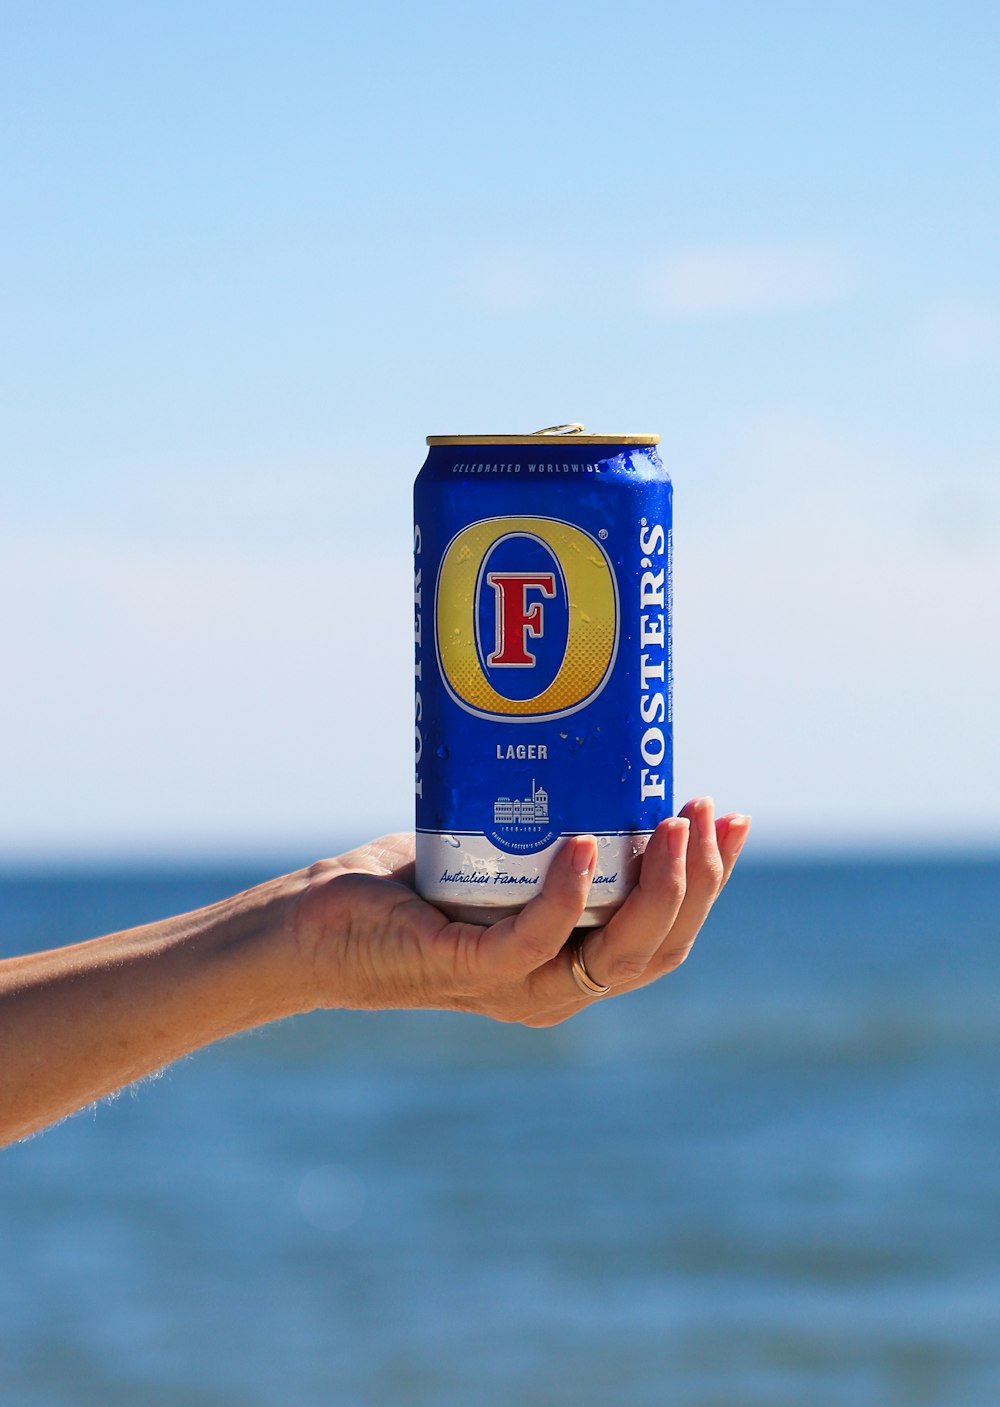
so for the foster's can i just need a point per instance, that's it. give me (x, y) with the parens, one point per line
(542, 607)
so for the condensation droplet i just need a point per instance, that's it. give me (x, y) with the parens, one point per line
(443, 753)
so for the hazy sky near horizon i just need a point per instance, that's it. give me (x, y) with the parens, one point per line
(252, 254)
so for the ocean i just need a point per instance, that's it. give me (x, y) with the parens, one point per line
(772, 1180)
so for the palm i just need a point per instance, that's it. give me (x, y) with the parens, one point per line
(401, 950)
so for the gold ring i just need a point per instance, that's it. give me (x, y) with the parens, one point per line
(582, 977)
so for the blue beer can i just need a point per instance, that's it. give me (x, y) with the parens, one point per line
(542, 610)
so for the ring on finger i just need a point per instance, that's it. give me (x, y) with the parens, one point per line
(582, 977)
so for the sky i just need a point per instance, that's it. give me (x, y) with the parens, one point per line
(252, 254)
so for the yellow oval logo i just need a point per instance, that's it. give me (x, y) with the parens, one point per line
(526, 613)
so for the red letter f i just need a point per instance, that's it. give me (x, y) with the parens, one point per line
(515, 620)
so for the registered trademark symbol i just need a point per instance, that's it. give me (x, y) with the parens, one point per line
(602, 534)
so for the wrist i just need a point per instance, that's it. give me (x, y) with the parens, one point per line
(314, 921)
(254, 939)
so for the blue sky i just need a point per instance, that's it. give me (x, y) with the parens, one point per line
(252, 254)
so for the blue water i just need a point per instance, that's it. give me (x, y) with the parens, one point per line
(773, 1179)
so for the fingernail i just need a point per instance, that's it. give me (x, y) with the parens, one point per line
(740, 824)
(703, 817)
(584, 855)
(677, 837)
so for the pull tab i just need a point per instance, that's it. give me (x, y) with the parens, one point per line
(573, 428)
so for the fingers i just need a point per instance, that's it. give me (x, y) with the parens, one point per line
(686, 864)
(688, 860)
(709, 864)
(623, 950)
(731, 831)
(535, 935)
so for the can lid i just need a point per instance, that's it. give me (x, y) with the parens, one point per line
(572, 431)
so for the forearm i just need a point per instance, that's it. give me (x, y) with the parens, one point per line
(79, 1022)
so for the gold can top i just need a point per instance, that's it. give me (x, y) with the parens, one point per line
(573, 432)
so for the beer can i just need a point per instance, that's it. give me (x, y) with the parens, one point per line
(543, 708)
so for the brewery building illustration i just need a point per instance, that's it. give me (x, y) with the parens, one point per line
(533, 810)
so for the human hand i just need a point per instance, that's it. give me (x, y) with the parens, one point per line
(371, 942)
(81, 1020)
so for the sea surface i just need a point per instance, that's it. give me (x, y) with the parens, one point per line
(772, 1180)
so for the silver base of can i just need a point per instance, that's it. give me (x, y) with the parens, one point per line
(466, 875)
(466, 913)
